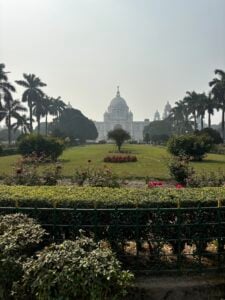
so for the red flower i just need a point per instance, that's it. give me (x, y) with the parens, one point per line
(153, 184)
(179, 186)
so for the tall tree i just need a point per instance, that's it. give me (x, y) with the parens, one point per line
(32, 94)
(210, 106)
(11, 109)
(179, 115)
(201, 108)
(6, 88)
(191, 100)
(58, 107)
(218, 90)
(21, 123)
(48, 109)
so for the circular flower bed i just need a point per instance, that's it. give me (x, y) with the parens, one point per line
(120, 158)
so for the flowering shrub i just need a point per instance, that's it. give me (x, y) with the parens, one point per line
(120, 158)
(154, 184)
(179, 186)
(30, 174)
(206, 179)
(96, 177)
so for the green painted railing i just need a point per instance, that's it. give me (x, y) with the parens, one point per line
(157, 240)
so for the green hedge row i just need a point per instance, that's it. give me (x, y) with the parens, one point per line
(84, 197)
(174, 226)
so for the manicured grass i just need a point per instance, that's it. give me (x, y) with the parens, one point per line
(151, 161)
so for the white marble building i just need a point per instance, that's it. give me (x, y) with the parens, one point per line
(119, 115)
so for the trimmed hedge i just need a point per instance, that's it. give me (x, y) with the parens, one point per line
(89, 197)
(119, 226)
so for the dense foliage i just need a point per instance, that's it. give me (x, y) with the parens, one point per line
(70, 196)
(96, 177)
(42, 146)
(73, 124)
(158, 132)
(191, 145)
(119, 135)
(19, 236)
(29, 171)
(211, 133)
(180, 169)
(79, 269)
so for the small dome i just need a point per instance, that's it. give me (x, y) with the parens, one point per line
(118, 102)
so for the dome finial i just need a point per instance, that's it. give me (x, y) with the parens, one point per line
(118, 91)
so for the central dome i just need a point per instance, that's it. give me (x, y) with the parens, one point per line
(118, 103)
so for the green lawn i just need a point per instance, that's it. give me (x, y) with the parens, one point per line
(151, 161)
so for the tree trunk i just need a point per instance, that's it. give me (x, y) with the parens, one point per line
(209, 120)
(195, 121)
(222, 125)
(39, 124)
(202, 125)
(9, 134)
(46, 124)
(31, 118)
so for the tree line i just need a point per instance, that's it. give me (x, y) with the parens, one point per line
(38, 104)
(185, 113)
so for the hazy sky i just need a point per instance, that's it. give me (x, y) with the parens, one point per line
(156, 50)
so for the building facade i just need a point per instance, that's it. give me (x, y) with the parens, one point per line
(118, 115)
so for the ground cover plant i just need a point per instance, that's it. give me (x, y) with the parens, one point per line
(19, 237)
(152, 161)
(80, 269)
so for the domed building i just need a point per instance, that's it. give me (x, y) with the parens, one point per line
(119, 115)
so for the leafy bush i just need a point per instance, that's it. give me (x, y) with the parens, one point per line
(191, 145)
(96, 177)
(49, 147)
(120, 158)
(179, 169)
(5, 151)
(19, 236)
(79, 269)
(30, 174)
(218, 149)
(210, 179)
(211, 133)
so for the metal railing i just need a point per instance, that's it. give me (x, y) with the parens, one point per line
(145, 239)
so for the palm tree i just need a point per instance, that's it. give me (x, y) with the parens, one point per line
(39, 112)
(33, 93)
(58, 107)
(11, 109)
(180, 117)
(210, 105)
(201, 107)
(5, 87)
(48, 105)
(22, 123)
(218, 90)
(191, 100)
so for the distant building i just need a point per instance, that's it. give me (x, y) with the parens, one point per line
(157, 116)
(118, 115)
(167, 110)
